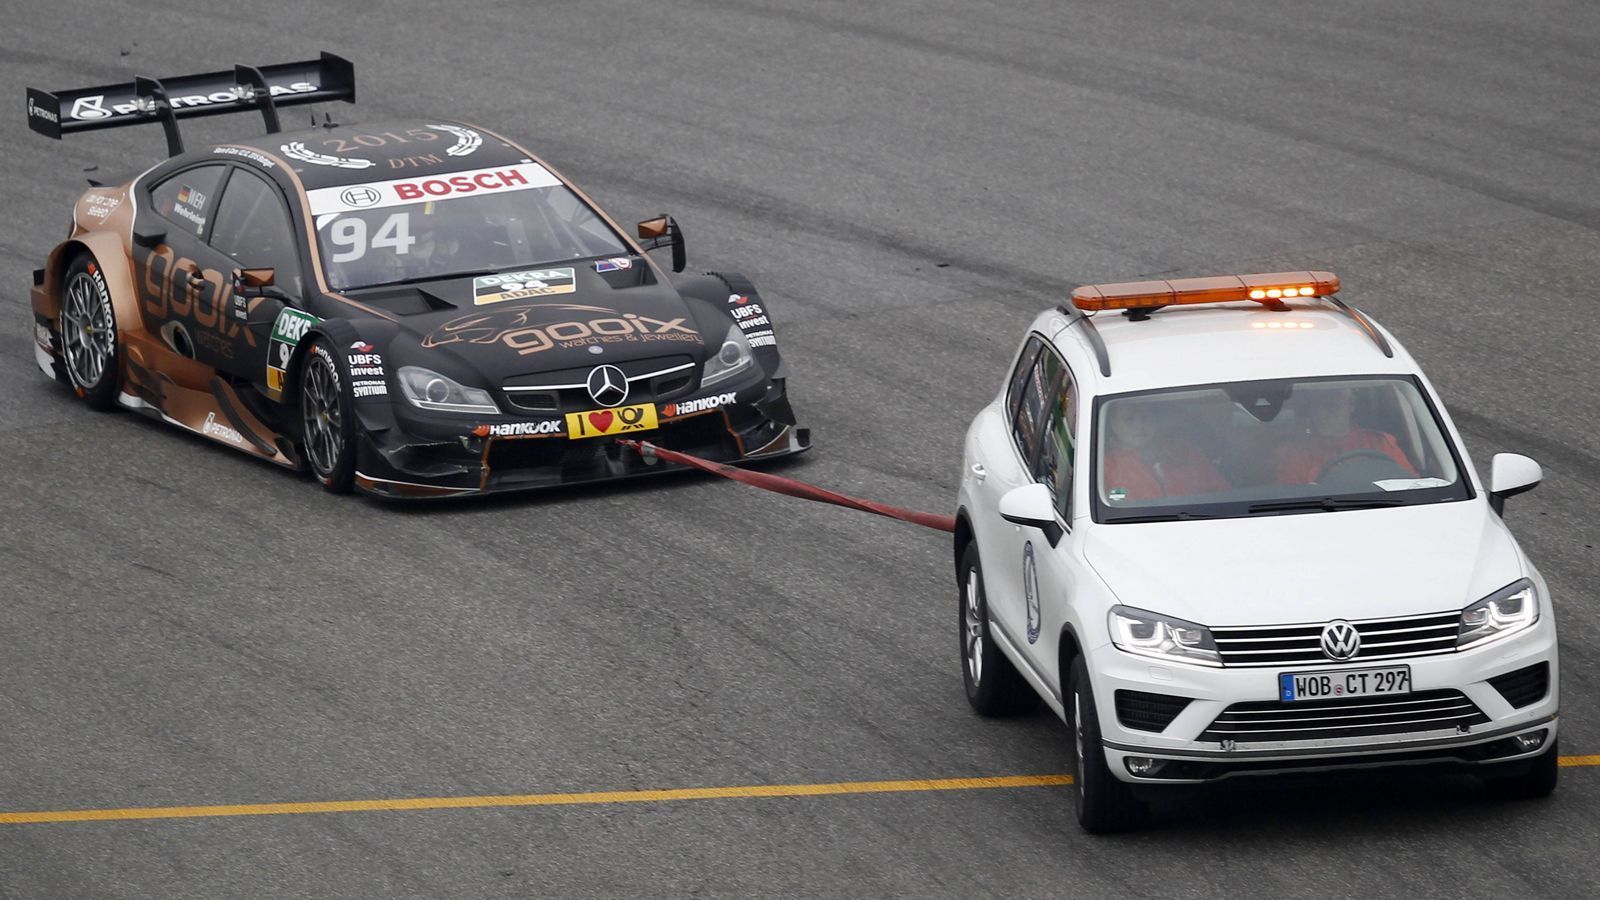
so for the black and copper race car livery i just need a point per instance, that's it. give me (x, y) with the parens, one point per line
(413, 308)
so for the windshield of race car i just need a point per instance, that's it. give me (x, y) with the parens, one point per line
(467, 223)
(1271, 447)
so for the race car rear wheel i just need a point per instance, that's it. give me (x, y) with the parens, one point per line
(89, 334)
(994, 687)
(327, 427)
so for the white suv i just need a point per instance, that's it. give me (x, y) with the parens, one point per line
(1244, 537)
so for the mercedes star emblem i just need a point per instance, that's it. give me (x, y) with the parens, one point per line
(1340, 640)
(607, 385)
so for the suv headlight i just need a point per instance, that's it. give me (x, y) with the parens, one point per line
(1501, 614)
(733, 357)
(1162, 637)
(430, 390)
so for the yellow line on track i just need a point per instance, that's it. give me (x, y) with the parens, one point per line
(572, 799)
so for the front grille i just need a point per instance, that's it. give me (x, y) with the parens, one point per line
(1524, 687)
(1301, 645)
(563, 390)
(1316, 720)
(1148, 712)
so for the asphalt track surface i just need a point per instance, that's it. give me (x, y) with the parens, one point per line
(908, 183)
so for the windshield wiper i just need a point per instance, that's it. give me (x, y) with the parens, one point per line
(441, 276)
(1163, 517)
(1322, 504)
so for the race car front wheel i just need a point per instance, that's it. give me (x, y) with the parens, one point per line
(326, 427)
(89, 333)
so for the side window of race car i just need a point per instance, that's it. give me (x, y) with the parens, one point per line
(253, 228)
(1034, 403)
(189, 198)
(1058, 444)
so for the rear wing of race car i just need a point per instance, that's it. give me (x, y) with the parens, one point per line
(166, 100)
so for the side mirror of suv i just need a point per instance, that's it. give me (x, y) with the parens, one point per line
(1032, 506)
(1510, 474)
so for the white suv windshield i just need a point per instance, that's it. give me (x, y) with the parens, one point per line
(1270, 447)
(517, 217)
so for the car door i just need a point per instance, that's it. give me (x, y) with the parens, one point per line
(187, 283)
(1008, 459)
(253, 231)
(1050, 573)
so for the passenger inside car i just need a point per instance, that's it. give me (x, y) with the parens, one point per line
(1146, 460)
(1329, 438)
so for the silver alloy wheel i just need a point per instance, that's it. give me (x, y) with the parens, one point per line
(973, 619)
(88, 332)
(320, 414)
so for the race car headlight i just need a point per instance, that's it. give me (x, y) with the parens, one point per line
(430, 390)
(1501, 614)
(1163, 637)
(733, 357)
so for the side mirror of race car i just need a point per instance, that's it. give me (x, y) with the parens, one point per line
(251, 283)
(149, 235)
(1031, 506)
(1511, 474)
(664, 230)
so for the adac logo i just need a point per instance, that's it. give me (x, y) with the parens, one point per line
(1030, 591)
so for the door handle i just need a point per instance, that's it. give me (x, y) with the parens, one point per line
(979, 472)
(194, 277)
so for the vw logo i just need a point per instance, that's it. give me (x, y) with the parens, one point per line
(360, 196)
(1340, 640)
(607, 385)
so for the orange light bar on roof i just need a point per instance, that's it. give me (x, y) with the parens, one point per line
(1269, 288)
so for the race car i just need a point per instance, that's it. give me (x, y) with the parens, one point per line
(1233, 531)
(410, 308)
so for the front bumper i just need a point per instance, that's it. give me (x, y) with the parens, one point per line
(434, 456)
(1188, 748)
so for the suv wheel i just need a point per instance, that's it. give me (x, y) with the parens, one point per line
(1537, 780)
(994, 688)
(1105, 804)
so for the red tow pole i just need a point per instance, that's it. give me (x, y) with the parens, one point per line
(780, 485)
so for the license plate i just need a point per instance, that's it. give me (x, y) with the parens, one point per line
(620, 420)
(1296, 686)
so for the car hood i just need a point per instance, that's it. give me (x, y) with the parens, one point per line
(553, 318)
(1265, 570)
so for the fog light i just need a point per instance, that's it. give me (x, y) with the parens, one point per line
(1142, 766)
(1531, 741)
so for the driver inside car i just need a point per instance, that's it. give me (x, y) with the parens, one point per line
(1143, 462)
(1330, 434)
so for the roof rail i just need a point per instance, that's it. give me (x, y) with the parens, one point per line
(1093, 334)
(1366, 325)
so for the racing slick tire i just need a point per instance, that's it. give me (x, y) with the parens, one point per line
(1536, 781)
(88, 330)
(1104, 803)
(327, 420)
(994, 687)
